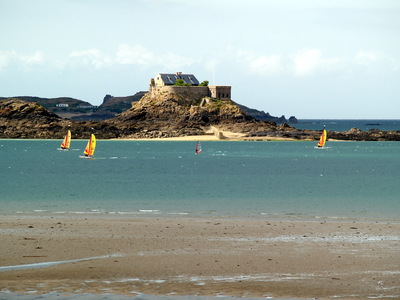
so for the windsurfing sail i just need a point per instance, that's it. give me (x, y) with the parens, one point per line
(322, 139)
(198, 148)
(66, 143)
(91, 146)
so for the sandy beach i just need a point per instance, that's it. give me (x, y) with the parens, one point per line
(215, 134)
(199, 256)
(227, 137)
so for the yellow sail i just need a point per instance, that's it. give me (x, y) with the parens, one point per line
(91, 146)
(66, 143)
(322, 139)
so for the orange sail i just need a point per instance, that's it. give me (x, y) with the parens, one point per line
(91, 146)
(322, 139)
(66, 143)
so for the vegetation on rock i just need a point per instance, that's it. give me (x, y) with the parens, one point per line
(180, 82)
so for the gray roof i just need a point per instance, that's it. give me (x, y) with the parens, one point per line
(169, 79)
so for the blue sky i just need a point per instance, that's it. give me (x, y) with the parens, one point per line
(333, 59)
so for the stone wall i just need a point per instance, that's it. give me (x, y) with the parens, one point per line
(192, 93)
(187, 93)
(222, 92)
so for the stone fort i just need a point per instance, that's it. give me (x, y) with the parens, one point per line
(163, 84)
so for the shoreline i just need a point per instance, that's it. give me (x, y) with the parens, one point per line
(194, 138)
(217, 136)
(212, 138)
(207, 256)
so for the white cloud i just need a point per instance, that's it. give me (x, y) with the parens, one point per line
(174, 61)
(267, 65)
(5, 58)
(259, 64)
(12, 57)
(92, 57)
(366, 57)
(138, 55)
(374, 62)
(125, 55)
(35, 58)
(306, 62)
(142, 56)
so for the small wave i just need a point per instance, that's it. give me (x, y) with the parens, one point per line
(149, 210)
(53, 263)
(85, 212)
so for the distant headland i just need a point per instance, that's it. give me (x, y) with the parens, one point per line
(176, 106)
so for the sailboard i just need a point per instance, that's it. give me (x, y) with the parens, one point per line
(322, 140)
(198, 148)
(90, 147)
(66, 143)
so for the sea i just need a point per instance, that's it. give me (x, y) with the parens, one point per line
(234, 179)
(342, 125)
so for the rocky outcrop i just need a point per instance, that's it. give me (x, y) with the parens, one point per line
(153, 117)
(174, 117)
(262, 116)
(79, 110)
(21, 119)
(51, 103)
(355, 134)
(110, 107)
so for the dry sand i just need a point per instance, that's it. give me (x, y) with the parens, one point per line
(215, 134)
(230, 137)
(200, 256)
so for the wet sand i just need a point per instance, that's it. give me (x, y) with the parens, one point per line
(200, 256)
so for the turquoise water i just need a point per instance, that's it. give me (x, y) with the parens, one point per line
(291, 179)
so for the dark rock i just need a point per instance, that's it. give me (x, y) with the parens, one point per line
(262, 116)
(160, 117)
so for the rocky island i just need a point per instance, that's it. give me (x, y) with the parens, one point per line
(167, 111)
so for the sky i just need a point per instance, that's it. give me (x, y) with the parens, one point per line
(314, 59)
